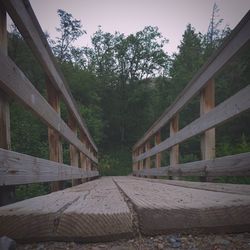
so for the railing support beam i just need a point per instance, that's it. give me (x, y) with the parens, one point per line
(207, 103)
(55, 144)
(74, 156)
(7, 194)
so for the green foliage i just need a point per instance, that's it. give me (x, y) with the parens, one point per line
(121, 85)
(116, 162)
(31, 190)
(69, 31)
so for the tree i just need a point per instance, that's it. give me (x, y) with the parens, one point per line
(187, 61)
(70, 30)
(215, 35)
(121, 62)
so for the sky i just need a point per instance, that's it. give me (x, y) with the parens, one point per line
(130, 16)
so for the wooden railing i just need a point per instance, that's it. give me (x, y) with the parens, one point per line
(17, 168)
(202, 84)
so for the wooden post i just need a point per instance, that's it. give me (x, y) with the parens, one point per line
(141, 161)
(158, 156)
(7, 193)
(174, 151)
(74, 156)
(207, 103)
(83, 158)
(55, 145)
(147, 147)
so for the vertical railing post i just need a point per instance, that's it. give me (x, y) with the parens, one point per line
(158, 155)
(134, 163)
(174, 151)
(207, 103)
(142, 161)
(55, 144)
(7, 193)
(147, 147)
(83, 158)
(74, 160)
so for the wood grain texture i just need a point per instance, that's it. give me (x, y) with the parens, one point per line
(207, 103)
(16, 84)
(24, 18)
(4, 104)
(73, 152)
(174, 151)
(228, 109)
(217, 187)
(233, 165)
(163, 208)
(55, 144)
(235, 43)
(16, 168)
(158, 156)
(93, 211)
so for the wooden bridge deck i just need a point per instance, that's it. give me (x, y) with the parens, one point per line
(118, 207)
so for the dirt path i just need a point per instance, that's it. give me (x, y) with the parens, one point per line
(174, 241)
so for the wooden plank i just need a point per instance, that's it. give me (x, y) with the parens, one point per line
(24, 18)
(141, 162)
(158, 156)
(82, 156)
(233, 165)
(74, 155)
(207, 103)
(7, 194)
(235, 43)
(147, 147)
(4, 104)
(228, 109)
(16, 168)
(16, 84)
(93, 211)
(55, 145)
(174, 151)
(217, 187)
(207, 143)
(163, 208)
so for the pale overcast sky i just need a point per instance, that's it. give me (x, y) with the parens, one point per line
(129, 16)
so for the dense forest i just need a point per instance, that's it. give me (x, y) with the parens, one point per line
(123, 83)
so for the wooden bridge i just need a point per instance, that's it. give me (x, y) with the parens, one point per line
(111, 207)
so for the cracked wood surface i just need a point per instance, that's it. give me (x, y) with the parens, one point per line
(88, 212)
(165, 208)
(105, 209)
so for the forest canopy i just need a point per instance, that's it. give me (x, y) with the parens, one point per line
(123, 83)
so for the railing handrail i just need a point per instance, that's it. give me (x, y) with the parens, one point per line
(238, 38)
(25, 20)
(19, 168)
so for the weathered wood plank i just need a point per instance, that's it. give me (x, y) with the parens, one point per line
(233, 165)
(207, 103)
(73, 152)
(7, 194)
(55, 144)
(228, 109)
(217, 187)
(174, 151)
(163, 208)
(24, 18)
(16, 168)
(4, 104)
(158, 156)
(238, 39)
(13, 81)
(93, 211)
(83, 162)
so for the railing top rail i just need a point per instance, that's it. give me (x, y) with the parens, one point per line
(238, 39)
(24, 18)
